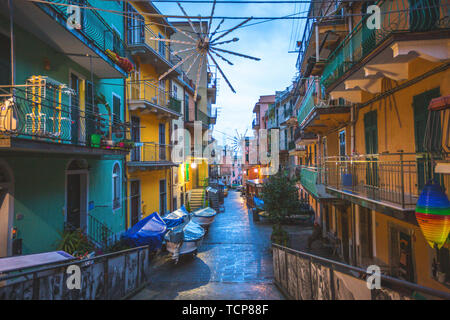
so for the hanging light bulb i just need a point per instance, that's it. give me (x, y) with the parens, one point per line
(194, 165)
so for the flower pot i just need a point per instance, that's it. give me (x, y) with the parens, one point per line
(95, 140)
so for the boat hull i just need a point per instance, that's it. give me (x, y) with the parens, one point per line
(203, 221)
(181, 248)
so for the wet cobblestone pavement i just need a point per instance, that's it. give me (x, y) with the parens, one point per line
(233, 262)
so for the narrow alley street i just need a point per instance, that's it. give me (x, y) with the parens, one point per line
(233, 262)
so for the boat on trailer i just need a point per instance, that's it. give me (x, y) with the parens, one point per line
(184, 237)
(204, 217)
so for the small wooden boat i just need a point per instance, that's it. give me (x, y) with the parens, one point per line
(204, 217)
(184, 241)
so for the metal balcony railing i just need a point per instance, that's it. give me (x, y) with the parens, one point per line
(394, 179)
(255, 123)
(396, 16)
(203, 117)
(141, 36)
(150, 91)
(99, 233)
(93, 26)
(47, 114)
(151, 152)
(308, 103)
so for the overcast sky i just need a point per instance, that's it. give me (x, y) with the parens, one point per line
(269, 41)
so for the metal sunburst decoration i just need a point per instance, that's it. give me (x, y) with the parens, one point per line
(237, 142)
(204, 44)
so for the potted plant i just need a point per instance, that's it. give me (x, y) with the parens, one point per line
(101, 100)
(280, 196)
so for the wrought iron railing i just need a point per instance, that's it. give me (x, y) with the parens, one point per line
(99, 233)
(96, 232)
(395, 179)
(93, 27)
(48, 114)
(151, 152)
(143, 35)
(149, 90)
(396, 17)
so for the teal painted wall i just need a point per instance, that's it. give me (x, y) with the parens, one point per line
(40, 198)
(39, 188)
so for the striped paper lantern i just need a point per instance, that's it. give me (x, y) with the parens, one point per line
(433, 214)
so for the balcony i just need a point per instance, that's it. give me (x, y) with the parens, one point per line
(49, 23)
(389, 180)
(311, 178)
(255, 124)
(212, 83)
(150, 156)
(203, 117)
(47, 119)
(146, 94)
(319, 117)
(153, 52)
(213, 117)
(398, 20)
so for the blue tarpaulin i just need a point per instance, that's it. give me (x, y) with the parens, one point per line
(259, 203)
(176, 218)
(193, 232)
(148, 231)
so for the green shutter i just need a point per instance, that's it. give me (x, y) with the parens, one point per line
(371, 138)
(187, 171)
(420, 107)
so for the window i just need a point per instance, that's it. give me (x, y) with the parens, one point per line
(175, 130)
(175, 91)
(116, 186)
(135, 26)
(186, 107)
(342, 143)
(162, 197)
(440, 266)
(161, 46)
(116, 108)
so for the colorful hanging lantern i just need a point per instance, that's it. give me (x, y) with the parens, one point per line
(433, 214)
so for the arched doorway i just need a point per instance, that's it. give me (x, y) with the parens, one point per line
(77, 182)
(6, 209)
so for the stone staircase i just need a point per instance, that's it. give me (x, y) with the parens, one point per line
(196, 200)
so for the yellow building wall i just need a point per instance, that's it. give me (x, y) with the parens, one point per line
(150, 189)
(421, 249)
(396, 124)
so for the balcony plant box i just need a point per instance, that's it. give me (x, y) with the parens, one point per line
(96, 140)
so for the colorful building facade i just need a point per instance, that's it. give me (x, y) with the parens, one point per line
(363, 111)
(62, 125)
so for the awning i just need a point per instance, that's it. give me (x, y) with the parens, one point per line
(440, 103)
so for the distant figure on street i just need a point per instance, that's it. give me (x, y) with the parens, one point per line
(316, 235)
